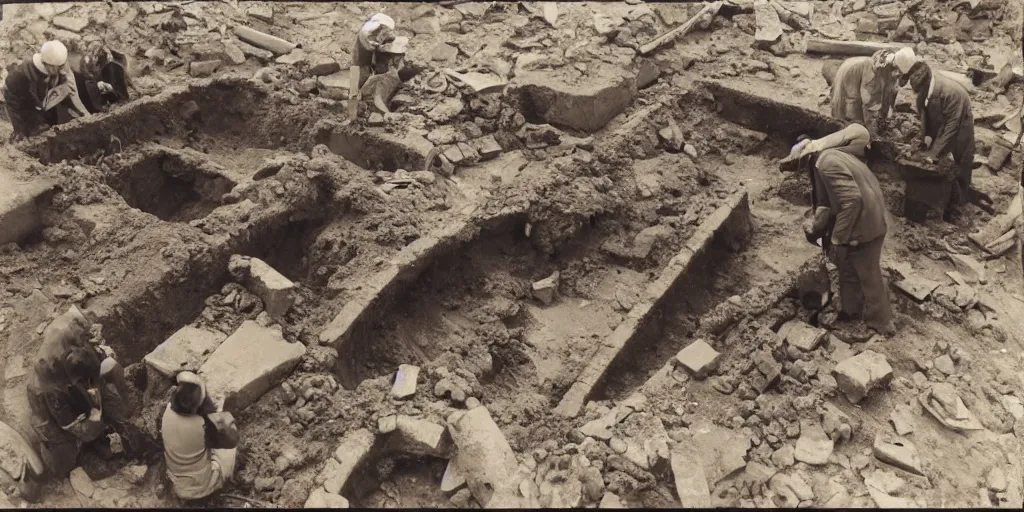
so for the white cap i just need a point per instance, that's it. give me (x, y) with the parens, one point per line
(904, 59)
(377, 20)
(53, 53)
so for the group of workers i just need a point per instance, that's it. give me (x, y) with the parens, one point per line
(53, 87)
(79, 400)
(849, 213)
(76, 391)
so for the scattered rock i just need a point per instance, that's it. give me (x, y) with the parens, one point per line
(698, 358)
(320, 498)
(944, 364)
(296, 57)
(996, 480)
(672, 137)
(897, 451)
(971, 269)
(769, 26)
(205, 68)
(74, 24)
(618, 445)
(81, 482)
(859, 375)
(813, 447)
(690, 481)
(902, 420)
(323, 65)
(405, 381)
(387, 424)
(546, 289)
(487, 147)
(784, 456)
(611, 500)
(421, 436)
(801, 335)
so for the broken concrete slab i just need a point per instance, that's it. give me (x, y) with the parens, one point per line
(186, 349)
(690, 481)
(275, 290)
(247, 364)
(586, 108)
(546, 289)
(351, 452)
(769, 26)
(801, 335)
(698, 358)
(897, 451)
(918, 287)
(813, 446)
(859, 375)
(422, 437)
(20, 207)
(452, 479)
(405, 381)
(972, 269)
(484, 456)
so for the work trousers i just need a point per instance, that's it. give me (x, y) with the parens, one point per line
(862, 289)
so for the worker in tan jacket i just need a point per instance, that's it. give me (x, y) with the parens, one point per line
(864, 88)
(856, 227)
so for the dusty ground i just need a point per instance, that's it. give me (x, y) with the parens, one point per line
(470, 318)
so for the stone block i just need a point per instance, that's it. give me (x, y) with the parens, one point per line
(73, 23)
(20, 215)
(186, 349)
(690, 481)
(586, 108)
(813, 447)
(203, 68)
(801, 335)
(546, 289)
(323, 65)
(247, 364)
(421, 436)
(972, 269)
(698, 358)
(320, 498)
(487, 147)
(897, 451)
(452, 479)
(354, 448)
(860, 374)
(275, 290)
(405, 381)
(485, 458)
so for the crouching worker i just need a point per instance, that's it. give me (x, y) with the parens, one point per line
(41, 92)
(66, 408)
(199, 443)
(371, 40)
(101, 77)
(855, 227)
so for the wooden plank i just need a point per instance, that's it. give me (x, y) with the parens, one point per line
(847, 48)
(708, 12)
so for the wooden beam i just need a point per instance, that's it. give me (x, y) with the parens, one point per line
(847, 48)
(708, 12)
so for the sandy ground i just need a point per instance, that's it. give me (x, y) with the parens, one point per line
(471, 317)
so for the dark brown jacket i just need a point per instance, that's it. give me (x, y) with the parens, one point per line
(947, 119)
(852, 193)
(24, 92)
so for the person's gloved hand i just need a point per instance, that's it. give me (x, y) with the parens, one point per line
(104, 87)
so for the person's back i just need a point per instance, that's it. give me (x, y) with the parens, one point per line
(195, 470)
(840, 172)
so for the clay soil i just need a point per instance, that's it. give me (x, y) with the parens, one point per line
(606, 210)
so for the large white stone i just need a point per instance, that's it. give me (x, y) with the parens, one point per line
(247, 364)
(186, 349)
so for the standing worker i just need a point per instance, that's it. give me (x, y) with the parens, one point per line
(865, 85)
(856, 225)
(946, 119)
(41, 92)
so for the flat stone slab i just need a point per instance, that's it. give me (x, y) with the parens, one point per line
(698, 358)
(275, 290)
(801, 335)
(587, 107)
(860, 374)
(19, 207)
(352, 450)
(247, 364)
(918, 287)
(186, 349)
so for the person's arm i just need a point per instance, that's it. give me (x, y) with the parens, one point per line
(848, 196)
(21, 111)
(76, 100)
(947, 135)
(866, 86)
(86, 426)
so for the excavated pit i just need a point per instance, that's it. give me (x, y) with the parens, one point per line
(170, 188)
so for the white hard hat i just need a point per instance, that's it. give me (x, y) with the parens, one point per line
(54, 53)
(377, 20)
(904, 59)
